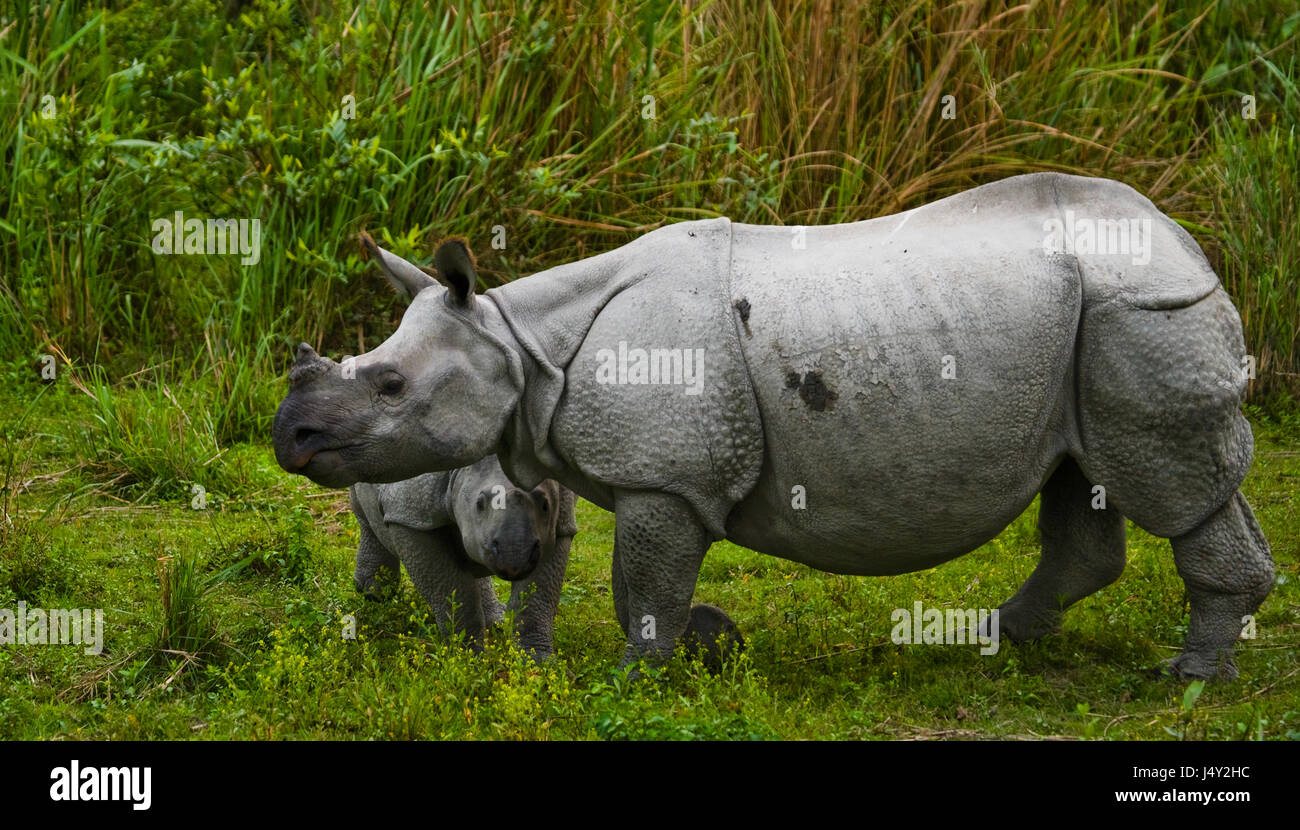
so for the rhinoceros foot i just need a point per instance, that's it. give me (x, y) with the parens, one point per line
(1021, 623)
(379, 586)
(1197, 665)
(541, 656)
(713, 635)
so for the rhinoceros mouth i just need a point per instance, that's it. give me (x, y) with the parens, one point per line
(302, 459)
(329, 468)
(297, 449)
(514, 567)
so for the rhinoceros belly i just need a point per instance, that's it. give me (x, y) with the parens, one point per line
(914, 376)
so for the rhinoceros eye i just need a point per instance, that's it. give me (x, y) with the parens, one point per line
(392, 384)
(481, 502)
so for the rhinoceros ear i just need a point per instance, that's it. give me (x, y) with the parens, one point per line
(405, 277)
(455, 265)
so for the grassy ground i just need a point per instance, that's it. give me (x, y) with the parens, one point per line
(238, 632)
(565, 129)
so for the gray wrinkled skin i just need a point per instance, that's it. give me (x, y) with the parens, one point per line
(444, 529)
(878, 397)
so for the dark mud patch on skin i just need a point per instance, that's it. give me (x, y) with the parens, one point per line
(742, 308)
(812, 390)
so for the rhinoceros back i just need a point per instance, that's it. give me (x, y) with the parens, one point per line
(914, 375)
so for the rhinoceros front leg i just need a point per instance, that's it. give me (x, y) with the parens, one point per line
(1228, 570)
(1083, 552)
(659, 544)
(493, 609)
(618, 587)
(537, 600)
(378, 572)
(454, 594)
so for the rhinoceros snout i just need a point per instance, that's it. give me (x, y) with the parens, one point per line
(296, 443)
(295, 437)
(516, 567)
(304, 438)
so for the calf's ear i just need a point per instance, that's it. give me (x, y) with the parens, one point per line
(455, 265)
(408, 279)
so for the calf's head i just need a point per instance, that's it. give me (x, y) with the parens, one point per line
(434, 396)
(504, 528)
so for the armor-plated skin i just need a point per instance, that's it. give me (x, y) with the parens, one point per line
(454, 531)
(877, 397)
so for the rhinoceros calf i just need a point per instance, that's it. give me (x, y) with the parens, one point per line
(454, 531)
(868, 398)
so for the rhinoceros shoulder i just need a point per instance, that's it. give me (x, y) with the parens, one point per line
(417, 503)
(664, 297)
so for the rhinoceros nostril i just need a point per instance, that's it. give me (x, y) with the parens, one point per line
(303, 434)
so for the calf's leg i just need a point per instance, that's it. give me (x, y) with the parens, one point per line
(537, 599)
(378, 571)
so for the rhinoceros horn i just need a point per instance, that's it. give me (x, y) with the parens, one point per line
(306, 365)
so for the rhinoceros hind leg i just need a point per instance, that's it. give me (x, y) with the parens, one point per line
(1228, 570)
(659, 543)
(1083, 552)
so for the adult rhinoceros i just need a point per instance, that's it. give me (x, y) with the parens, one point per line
(867, 398)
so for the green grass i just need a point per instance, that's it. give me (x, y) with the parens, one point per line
(531, 118)
(226, 621)
(249, 640)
